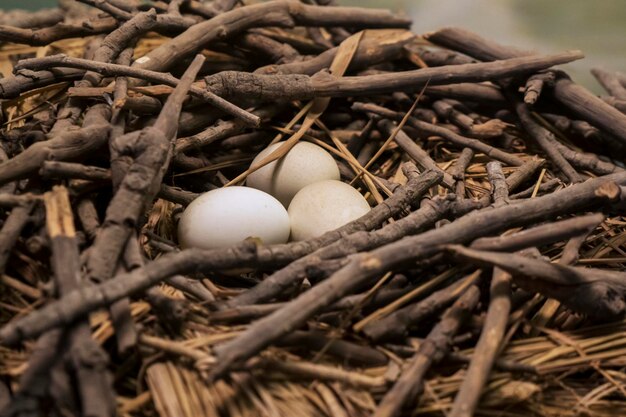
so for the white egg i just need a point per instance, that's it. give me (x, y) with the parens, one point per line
(324, 206)
(227, 216)
(306, 163)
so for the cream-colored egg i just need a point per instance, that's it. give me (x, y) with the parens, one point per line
(306, 163)
(227, 216)
(324, 206)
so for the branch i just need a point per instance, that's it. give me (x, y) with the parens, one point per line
(573, 96)
(242, 85)
(447, 134)
(107, 69)
(270, 14)
(597, 293)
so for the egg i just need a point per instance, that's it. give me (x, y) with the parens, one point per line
(324, 206)
(306, 163)
(226, 216)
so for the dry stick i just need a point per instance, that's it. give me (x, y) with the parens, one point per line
(192, 287)
(486, 349)
(573, 96)
(432, 129)
(146, 155)
(165, 22)
(67, 146)
(272, 49)
(396, 325)
(12, 227)
(479, 93)
(434, 348)
(543, 188)
(586, 160)
(171, 312)
(58, 169)
(131, 161)
(546, 140)
(114, 43)
(446, 111)
(578, 127)
(284, 278)
(360, 270)
(121, 317)
(544, 234)
(109, 8)
(436, 57)
(610, 82)
(13, 86)
(242, 85)
(316, 372)
(34, 382)
(221, 130)
(458, 171)
(107, 69)
(499, 190)
(366, 266)
(45, 36)
(15, 200)
(535, 84)
(597, 293)
(88, 360)
(377, 46)
(568, 257)
(245, 314)
(419, 155)
(273, 13)
(107, 50)
(88, 217)
(71, 170)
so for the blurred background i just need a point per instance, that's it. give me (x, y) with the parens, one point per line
(597, 27)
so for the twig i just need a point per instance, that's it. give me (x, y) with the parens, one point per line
(67, 146)
(419, 155)
(595, 292)
(544, 234)
(535, 84)
(343, 244)
(458, 171)
(431, 351)
(610, 82)
(499, 190)
(107, 69)
(366, 266)
(273, 13)
(397, 324)
(87, 358)
(486, 349)
(573, 96)
(432, 129)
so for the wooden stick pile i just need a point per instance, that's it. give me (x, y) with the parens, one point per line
(486, 279)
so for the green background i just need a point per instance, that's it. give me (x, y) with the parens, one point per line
(597, 27)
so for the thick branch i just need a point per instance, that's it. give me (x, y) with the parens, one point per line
(242, 85)
(274, 13)
(573, 96)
